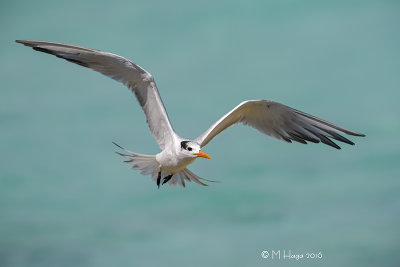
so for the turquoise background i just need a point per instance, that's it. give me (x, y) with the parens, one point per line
(66, 199)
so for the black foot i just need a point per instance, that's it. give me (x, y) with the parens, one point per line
(167, 178)
(159, 179)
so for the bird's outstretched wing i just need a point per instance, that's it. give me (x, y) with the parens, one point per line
(138, 80)
(279, 121)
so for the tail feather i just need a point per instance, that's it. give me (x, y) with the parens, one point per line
(192, 175)
(185, 174)
(147, 164)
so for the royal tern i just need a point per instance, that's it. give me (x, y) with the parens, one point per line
(169, 166)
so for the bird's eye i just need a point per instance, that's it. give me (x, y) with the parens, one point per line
(189, 148)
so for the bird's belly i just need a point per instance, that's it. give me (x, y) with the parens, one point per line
(172, 163)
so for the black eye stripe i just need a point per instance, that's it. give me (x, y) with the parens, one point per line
(189, 148)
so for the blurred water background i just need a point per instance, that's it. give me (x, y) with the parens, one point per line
(66, 199)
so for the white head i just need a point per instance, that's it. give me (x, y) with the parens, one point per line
(192, 149)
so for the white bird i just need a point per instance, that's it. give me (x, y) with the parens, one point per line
(169, 166)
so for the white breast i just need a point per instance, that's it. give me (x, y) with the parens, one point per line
(172, 161)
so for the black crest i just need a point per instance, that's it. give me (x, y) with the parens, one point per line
(184, 144)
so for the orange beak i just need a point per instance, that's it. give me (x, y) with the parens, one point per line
(202, 154)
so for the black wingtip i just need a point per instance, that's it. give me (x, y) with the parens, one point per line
(331, 143)
(336, 136)
(44, 50)
(325, 140)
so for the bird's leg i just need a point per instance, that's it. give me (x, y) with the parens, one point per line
(159, 179)
(167, 178)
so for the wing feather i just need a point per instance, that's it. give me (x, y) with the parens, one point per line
(279, 121)
(138, 80)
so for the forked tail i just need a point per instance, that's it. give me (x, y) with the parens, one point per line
(147, 164)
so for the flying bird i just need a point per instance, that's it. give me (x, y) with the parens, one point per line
(170, 165)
